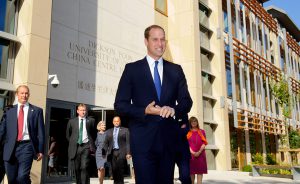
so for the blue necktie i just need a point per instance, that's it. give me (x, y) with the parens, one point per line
(115, 136)
(157, 80)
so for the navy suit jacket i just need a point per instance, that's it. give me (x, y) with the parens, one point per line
(9, 130)
(136, 90)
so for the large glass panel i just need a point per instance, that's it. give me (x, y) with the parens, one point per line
(7, 16)
(225, 24)
(4, 50)
(228, 81)
(237, 82)
(58, 152)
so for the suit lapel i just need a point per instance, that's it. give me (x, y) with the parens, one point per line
(29, 115)
(87, 124)
(76, 125)
(15, 111)
(165, 80)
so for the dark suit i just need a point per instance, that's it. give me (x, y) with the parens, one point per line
(80, 154)
(117, 157)
(153, 139)
(183, 155)
(18, 156)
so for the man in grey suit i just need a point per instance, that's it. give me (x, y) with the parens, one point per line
(117, 148)
(81, 133)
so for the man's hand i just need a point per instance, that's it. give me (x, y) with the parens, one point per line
(167, 111)
(152, 109)
(39, 156)
(183, 126)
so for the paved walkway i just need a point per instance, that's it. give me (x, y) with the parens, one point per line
(223, 177)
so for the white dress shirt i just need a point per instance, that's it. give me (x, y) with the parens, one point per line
(160, 67)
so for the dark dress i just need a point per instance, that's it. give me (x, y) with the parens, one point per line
(100, 159)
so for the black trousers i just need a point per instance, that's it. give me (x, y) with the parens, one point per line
(118, 161)
(81, 164)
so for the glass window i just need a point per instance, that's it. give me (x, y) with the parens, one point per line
(228, 79)
(7, 16)
(282, 64)
(161, 6)
(225, 19)
(4, 50)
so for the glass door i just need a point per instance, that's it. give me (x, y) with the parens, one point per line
(56, 166)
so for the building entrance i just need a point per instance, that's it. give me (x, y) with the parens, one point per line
(56, 165)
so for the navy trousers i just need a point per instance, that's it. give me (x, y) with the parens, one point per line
(19, 166)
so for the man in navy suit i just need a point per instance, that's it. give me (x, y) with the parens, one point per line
(183, 156)
(23, 133)
(151, 92)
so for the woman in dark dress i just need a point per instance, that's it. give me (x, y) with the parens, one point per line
(100, 159)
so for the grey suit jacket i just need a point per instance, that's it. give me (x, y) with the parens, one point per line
(72, 134)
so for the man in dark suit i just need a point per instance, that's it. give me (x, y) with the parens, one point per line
(2, 168)
(117, 148)
(183, 156)
(151, 92)
(24, 135)
(81, 133)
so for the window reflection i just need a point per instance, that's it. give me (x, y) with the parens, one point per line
(7, 16)
(4, 49)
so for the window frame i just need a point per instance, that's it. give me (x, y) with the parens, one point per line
(161, 6)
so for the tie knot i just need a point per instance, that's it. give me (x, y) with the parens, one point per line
(156, 63)
(22, 106)
(81, 120)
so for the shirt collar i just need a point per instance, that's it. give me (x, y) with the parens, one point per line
(84, 118)
(151, 61)
(25, 105)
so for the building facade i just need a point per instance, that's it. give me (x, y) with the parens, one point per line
(233, 52)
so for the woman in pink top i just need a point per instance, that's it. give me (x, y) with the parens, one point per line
(197, 142)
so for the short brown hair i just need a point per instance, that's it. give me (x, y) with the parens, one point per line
(22, 86)
(148, 29)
